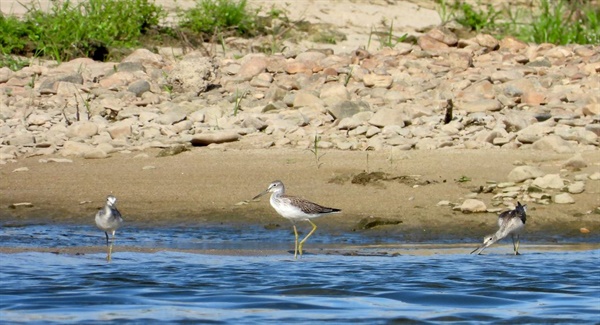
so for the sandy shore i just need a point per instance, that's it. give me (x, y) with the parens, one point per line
(205, 186)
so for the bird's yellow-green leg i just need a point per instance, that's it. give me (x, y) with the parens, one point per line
(109, 256)
(305, 238)
(295, 243)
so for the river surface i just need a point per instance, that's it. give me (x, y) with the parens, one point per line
(256, 280)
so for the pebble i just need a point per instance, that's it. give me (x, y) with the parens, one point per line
(506, 94)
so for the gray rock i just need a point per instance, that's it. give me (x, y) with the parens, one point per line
(38, 119)
(563, 198)
(387, 116)
(171, 117)
(82, 129)
(139, 87)
(95, 153)
(576, 188)
(347, 108)
(473, 206)
(555, 143)
(575, 163)
(206, 139)
(481, 105)
(306, 98)
(523, 173)
(21, 140)
(549, 181)
(72, 148)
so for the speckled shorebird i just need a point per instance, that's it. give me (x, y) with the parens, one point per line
(295, 209)
(511, 223)
(109, 219)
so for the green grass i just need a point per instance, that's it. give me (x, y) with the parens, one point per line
(69, 30)
(105, 29)
(210, 16)
(559, 22)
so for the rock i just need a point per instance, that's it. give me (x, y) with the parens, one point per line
(378, 81)
(576, 188)
(5, 74)
(549, 181)
(575, 163)
(487, 41)
(72, 148)
(306, 98)
(20, 169)
(346, 109)
(252, 66)
(523, 173)
(120, 130)
(21, 140)
(444, 35)
(428, 43)
(171, 117)
(473, 206)
(95, 153)
(38, 119)
(145, 57)
(334, 90)
(139, 87)
(563, 198)
(387, 116)
(481, 105)
(82, 129)
(512, 44)
(595, 176)
(194, 73)
(205, 139)
(555, 143)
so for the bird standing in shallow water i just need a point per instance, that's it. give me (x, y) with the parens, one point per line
(295, 209)
(511, 223)
(109, 219)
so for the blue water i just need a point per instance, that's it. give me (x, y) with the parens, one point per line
(536, 287)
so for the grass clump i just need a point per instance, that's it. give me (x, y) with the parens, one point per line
(210, 16)
(559, 22)
(89, 29)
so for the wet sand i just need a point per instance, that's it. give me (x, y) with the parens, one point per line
(318, 249)
(213, 186)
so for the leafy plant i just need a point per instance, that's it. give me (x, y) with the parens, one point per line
(210, 15)
(562, 23)
(474, 18)
(90, 28)
(315, 151)
(463, 179)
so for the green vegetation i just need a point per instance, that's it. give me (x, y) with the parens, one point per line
(100, 29)
(88, 29)
(210, 16)
(558, 22)
(315, 151)
(107, 29)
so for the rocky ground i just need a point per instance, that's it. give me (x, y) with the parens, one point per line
(444, 94)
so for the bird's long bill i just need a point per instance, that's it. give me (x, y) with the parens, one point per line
(261, 194)
(478, 248)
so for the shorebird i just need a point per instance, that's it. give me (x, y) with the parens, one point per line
(511, 223)
(295, 209)
(109, 219)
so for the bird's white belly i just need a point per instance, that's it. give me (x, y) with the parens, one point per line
(289, 211)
